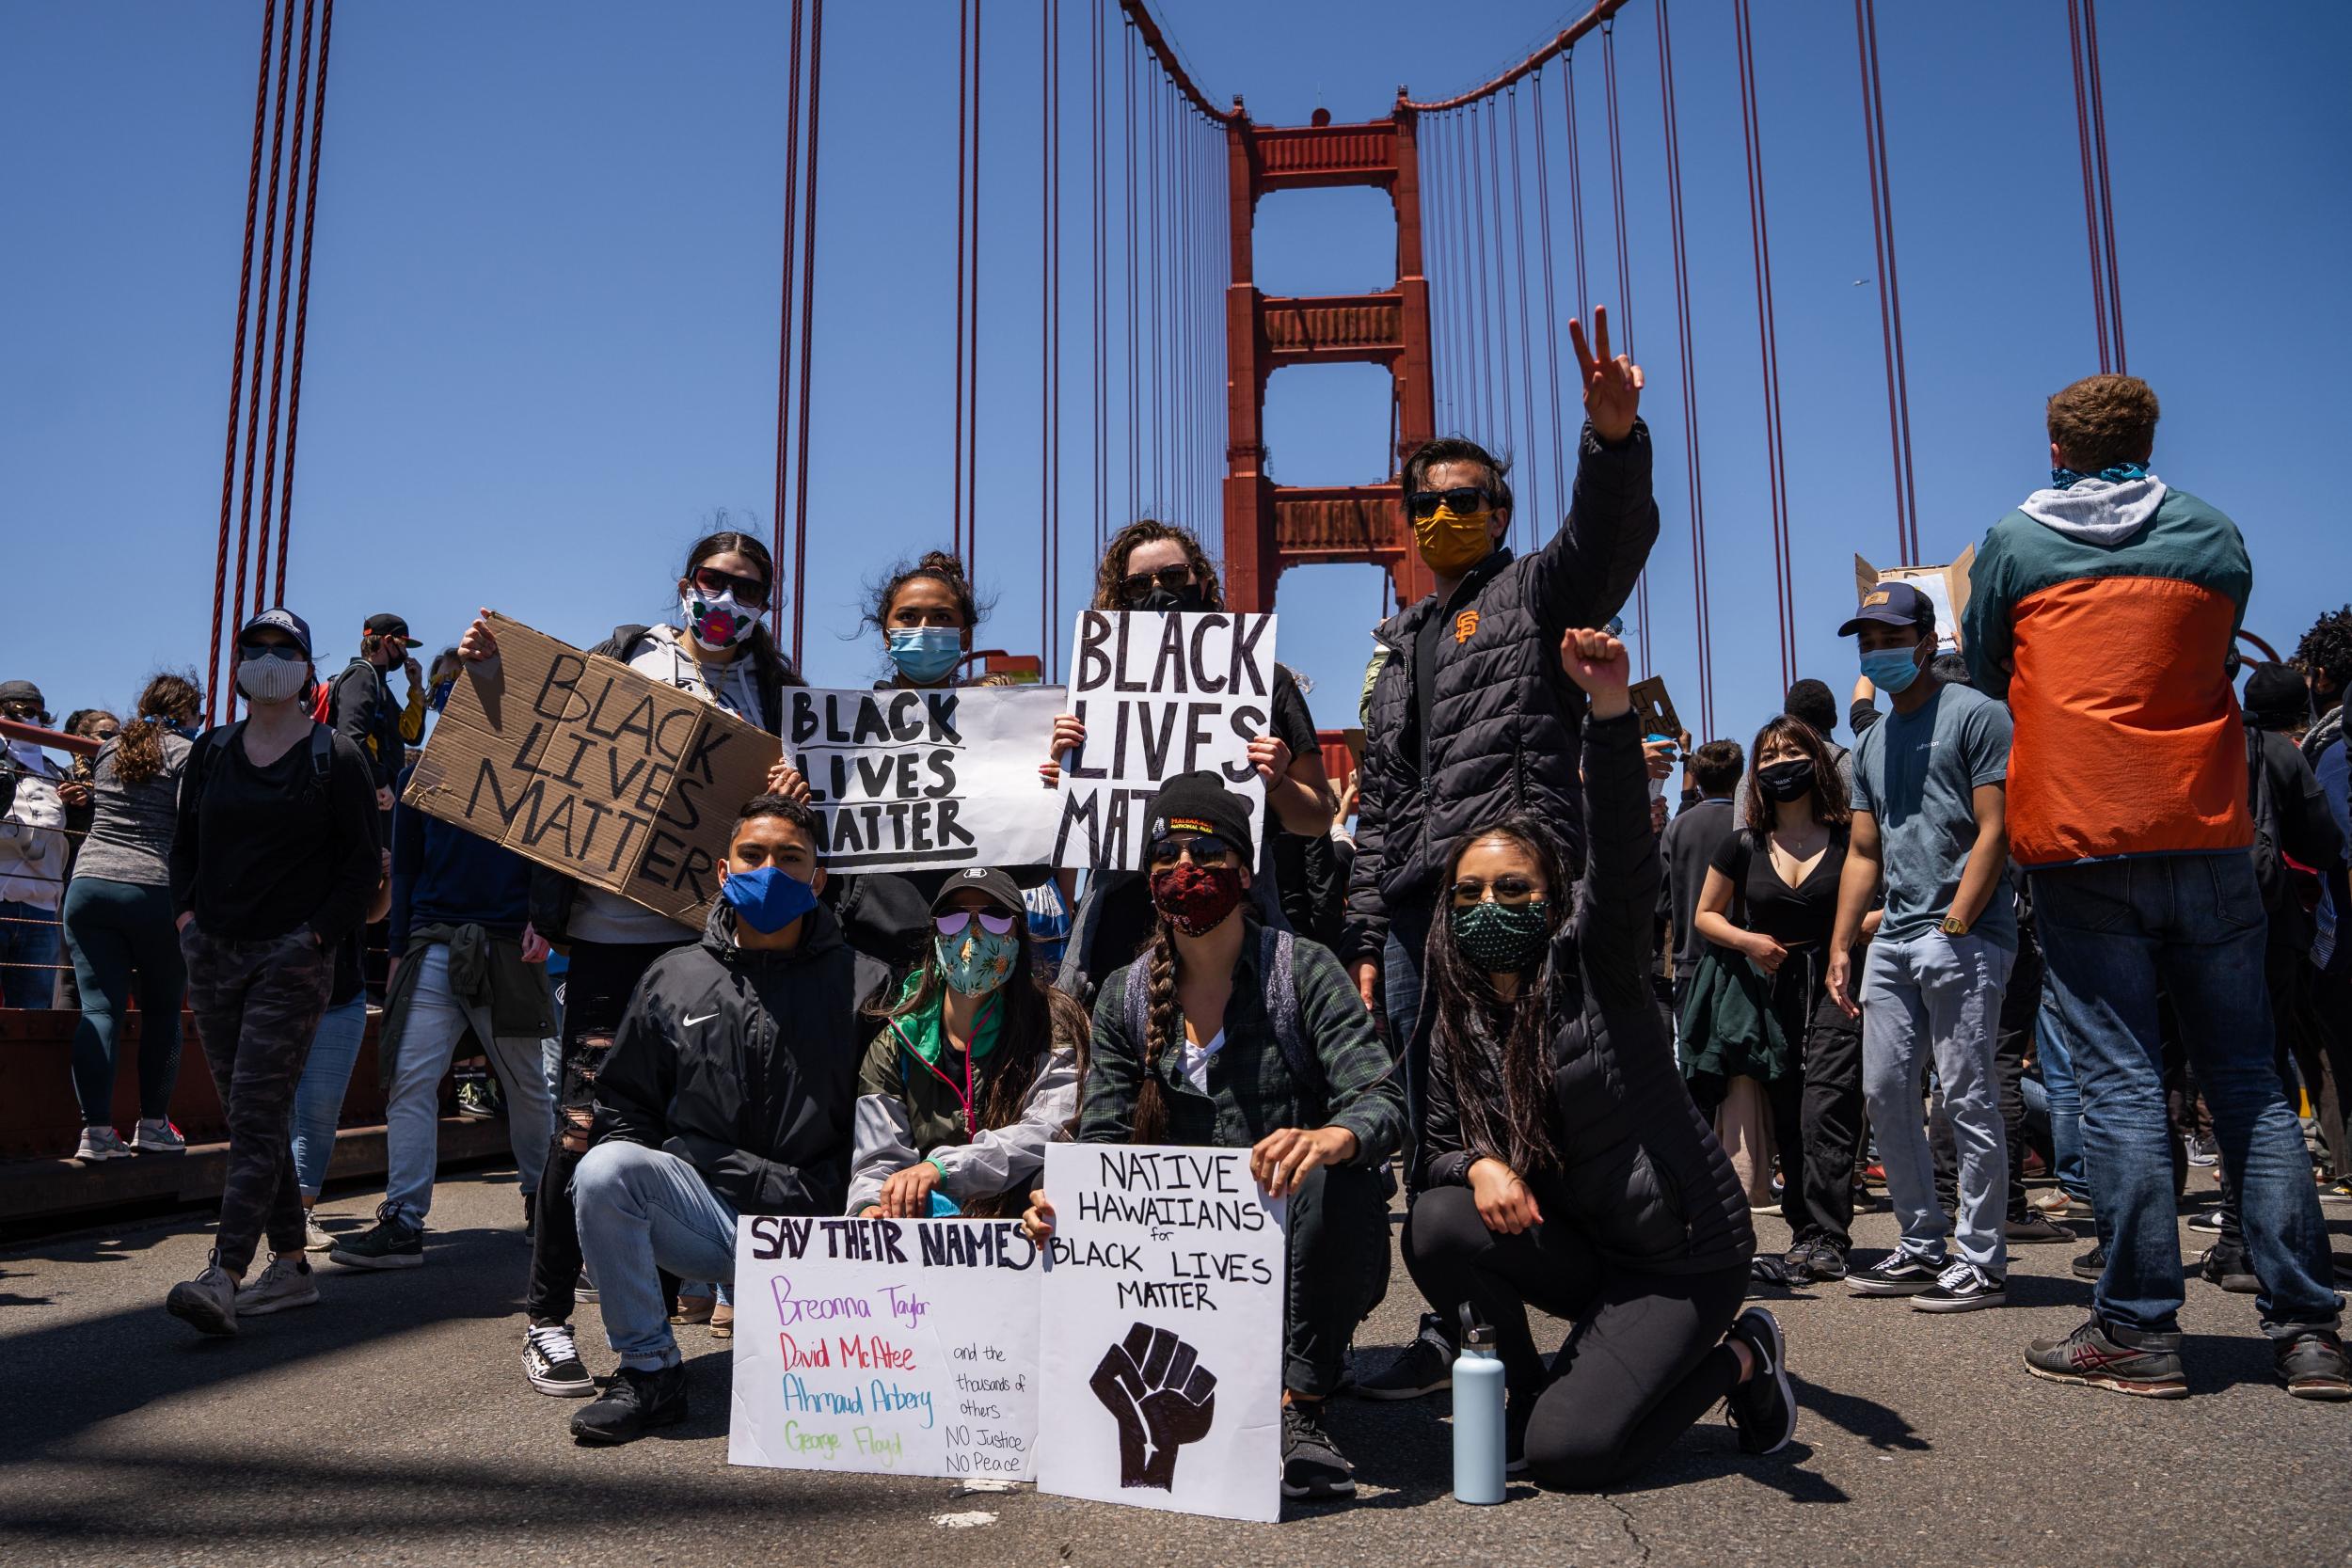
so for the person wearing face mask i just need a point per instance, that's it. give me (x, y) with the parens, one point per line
(729, 1091)
(32, 848)
(1467, 716)
(274, 859)
(975, 1069)
(1770, 900)
(927, 613)
(1223, 1034)
(358, 701)
(1566, 1167)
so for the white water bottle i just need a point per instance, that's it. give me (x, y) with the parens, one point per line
(1479, 1458)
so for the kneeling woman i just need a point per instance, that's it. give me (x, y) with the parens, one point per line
(1566, 1167)
(976, 1070)
(1224, 1034)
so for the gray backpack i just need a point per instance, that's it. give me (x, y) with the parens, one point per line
(1276, 951)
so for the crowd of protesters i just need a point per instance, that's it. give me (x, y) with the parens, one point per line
(2068, 904)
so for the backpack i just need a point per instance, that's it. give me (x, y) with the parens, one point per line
(323, 693)
(214, 742)
(2270, 867)
(1276, 952)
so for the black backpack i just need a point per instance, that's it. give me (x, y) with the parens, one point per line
(1276, 950)
(2271, 873)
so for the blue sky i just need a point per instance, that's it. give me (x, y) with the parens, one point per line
(541, 340)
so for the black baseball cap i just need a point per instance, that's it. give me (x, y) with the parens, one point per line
(25, 691)
(285, 619)
(998, 886)
(1200, 804)
(392, 626)
(1893, 604)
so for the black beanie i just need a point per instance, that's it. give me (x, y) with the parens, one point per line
(1200, 804)
(2275, 698)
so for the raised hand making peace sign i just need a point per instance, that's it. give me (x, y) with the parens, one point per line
(1613, 386)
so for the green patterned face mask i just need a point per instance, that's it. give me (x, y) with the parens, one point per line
(1502, 939)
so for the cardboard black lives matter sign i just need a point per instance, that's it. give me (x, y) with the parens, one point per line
(580, 763)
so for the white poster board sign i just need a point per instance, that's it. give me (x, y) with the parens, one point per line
(892, 1347)
(909, 780)
(1161, 1340)
(1160, 694)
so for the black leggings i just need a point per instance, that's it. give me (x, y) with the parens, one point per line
(1645, 1360)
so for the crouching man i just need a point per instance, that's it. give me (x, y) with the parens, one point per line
(729, 1091)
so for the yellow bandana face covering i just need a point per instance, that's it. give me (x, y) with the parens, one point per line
(1453, 541)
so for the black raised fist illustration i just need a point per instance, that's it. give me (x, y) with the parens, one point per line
(1154, 1386)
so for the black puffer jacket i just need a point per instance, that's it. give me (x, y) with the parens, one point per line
(1640, 1172)
(744, 1065)
(1504, 716)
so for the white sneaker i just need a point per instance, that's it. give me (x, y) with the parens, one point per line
(100, 1143)
(209, 1301)
(156, 1136)
(314, 1238)
(286, 1283)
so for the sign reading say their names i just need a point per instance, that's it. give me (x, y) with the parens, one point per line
(908, 780)
(1161, 1338)
(899, 1347)
(1160, 694)
(580, 763)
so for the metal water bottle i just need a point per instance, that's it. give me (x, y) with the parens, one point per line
(1478, 1439)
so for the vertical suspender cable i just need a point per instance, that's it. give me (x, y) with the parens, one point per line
(2107, 189)
(1890, 293)
(1704, 637)
(1159, 318)
(302, 300)
(1101, 236)
(1134, 407)
(1485, 314)
(808, 320)
(1535, 511)
(1551, 302)
(269, 241)
(1576, 178)
(964, 126)
(972, 395)
(1500, 346)
(218, 667)
(1767, 344)
(784, 307)
(285, 301)
(1049, 304)
(1625, 278)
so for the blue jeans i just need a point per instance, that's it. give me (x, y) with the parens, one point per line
(434, 1021)
(1936, 996)
(319, 1097)
(28, 955)
(2065, 1099)
(2114, 932)
(640, 1212)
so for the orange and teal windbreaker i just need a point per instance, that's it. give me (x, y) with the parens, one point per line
(2106, 615)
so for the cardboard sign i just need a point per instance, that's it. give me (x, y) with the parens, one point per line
(1162, 1338)
(1160, 694)
(1947, 588)
(895, 1347)
(1657, 709)
(909, 780)
(580, 763)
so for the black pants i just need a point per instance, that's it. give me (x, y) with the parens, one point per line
(2013, 1041)
(1339, 1272)
(1645, 1360)
(1832, 1119)
(2308, 1032)
(596, 989)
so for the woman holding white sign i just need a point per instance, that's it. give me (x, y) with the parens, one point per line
(1564, 1164)
(1226, 1035)
(976, 1070)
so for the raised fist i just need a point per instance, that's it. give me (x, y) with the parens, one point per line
(1154, 1386)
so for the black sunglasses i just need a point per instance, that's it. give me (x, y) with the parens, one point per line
(1462, 501)
(750, 593)
(1207, 850)
(1136, 585)
(1509, 889)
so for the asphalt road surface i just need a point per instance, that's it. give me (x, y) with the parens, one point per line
(392, 1424)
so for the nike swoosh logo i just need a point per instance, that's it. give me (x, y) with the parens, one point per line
(689, 1022)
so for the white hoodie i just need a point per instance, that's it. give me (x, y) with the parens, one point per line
(32, 834)
(2097, 511)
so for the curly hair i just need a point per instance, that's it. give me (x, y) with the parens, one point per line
(1829, 807)
(1147, 530)
(2103, 420)
(169, 694)
(940, 567)
(2327, 648)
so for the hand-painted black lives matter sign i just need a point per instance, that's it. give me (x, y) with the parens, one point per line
(1159, 695)
(905, 779)
(580, 763)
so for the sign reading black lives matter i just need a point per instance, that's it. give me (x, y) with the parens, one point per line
(1160, 694)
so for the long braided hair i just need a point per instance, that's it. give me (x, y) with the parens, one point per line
(1472, 1016)
(1158, 962)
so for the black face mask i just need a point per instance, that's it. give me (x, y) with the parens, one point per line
(1162, 600)
(1787, 781)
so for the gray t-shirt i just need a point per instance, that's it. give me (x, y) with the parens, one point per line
(130, 837)
(1918, 774)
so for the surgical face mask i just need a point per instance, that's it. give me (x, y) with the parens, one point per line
(768, 899)
(1502, 939)
(1787, 781)
(1453, 541)
(271, 675)
(1891, 670)
(925, 654)
(975, 960)
(715, 620)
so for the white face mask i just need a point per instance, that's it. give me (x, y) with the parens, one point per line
(715, 620)
(270, 679)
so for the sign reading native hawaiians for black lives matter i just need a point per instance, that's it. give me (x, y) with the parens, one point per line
(1160, 694)
(1161, 1331)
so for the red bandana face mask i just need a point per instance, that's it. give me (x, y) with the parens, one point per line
(1196, 898)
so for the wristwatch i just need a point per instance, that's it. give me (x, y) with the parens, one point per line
(1955, 926)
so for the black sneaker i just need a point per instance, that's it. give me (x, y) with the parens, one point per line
(1312, 1466)
(2229, 1268)
(1763, 1408)
(633, 1404)
(2207, 1223)
(1424, 1367)
(551, 1362)
(1897, 1274)
(2092, 1265)
(1963, 1288)
(2123, 1359)
(2312, 1366)
(1821, 1259)
(390, 1243)
(2032, 1228)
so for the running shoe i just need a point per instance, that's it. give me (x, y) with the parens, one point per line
(1423, 1366)
(2123, 1359)
(100, 1143)
(287, 1283)
(633, 1403)
(208, 1302)
(1763, 1408)
(156, 1136)
(390, 1243)
(2312, 1366)
(1312, 1466)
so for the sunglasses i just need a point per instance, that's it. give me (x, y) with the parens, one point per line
(1207, 850)
(252, 651)
(1136, 585)
(1462, 501)
(954, 922)
(750, 593)
(1512, 890)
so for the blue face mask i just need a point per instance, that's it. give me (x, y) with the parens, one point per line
(1891, 670)
(768, 899)
(440, 694)
(926, 654)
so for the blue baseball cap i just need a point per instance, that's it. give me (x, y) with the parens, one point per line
(1893, 604)
(285, 619)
